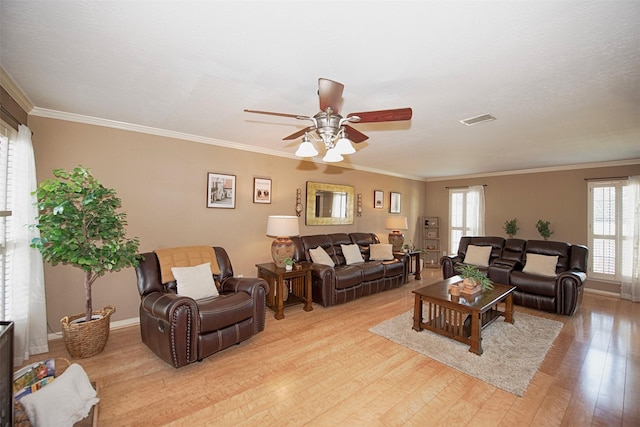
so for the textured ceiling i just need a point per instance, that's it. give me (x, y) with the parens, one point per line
(562, 78)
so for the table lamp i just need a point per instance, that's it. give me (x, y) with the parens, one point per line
(396, 238)
(282, 227)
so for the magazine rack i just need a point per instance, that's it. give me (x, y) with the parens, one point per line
(21, 419)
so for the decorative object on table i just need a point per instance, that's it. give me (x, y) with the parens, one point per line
(359, 205)
(221, 191)
(329, 129)
(261, 190)
(80, 225)
(378, 199)
(299, 207)
(543, 229)
(395, 224)
(288, 263)
(394, 202)
(282, 227)
(474, 280)
(511, 227)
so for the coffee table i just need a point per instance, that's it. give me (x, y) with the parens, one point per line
(463, 317)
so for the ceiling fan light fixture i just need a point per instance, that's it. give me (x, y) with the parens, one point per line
(332, 156)
(306, 149)
(343, 146)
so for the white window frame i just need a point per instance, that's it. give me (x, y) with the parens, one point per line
(8, 134)
(457, 231)
(615, 236)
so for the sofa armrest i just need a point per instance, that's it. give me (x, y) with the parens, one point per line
(448, 263)
(249, 285)
(570, 288)
(163, 305)
(169, 326)
(258, 289)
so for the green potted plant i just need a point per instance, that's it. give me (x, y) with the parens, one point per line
(288, 263)
(543, 229)
(511, 227)
(80, 225)
(472, 275)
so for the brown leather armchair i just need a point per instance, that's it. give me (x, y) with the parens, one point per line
(181, 330)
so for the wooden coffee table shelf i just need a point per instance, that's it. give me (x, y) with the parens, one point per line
(461, 318)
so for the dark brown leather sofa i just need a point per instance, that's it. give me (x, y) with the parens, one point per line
(561, 293)
(181, 330)
(343, 283)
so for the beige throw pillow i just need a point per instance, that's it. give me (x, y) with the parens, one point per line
(352, 254)
(477, 255)
(381, 252)
(320, 256)
(542, 265)
(195, 282)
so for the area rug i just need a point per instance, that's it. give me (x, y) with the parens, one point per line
(511, 355)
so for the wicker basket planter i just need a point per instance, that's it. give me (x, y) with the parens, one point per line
(86, 339)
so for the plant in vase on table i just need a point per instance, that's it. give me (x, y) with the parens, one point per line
(80, 225)
(473, 279)
(288, 263)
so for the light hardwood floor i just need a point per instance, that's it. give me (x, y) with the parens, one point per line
(324, 368)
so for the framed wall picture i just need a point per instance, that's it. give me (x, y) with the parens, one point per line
(261, 190)
(378, 199)
(221, 191)
(394, 202)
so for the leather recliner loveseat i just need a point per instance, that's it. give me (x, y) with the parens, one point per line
(181, 330)
(342, 283)
(557, 293)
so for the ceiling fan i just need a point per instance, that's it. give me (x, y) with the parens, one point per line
(329, 127)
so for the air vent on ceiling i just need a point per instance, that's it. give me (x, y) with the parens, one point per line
(478, 119)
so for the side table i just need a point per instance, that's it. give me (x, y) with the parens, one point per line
(300, 280)
(415, 255)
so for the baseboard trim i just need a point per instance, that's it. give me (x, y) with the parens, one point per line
(603, 293)
(113, 325)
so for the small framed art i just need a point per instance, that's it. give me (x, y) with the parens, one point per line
(261, 190)
(394, 202)
(378, 199)
(221, 191)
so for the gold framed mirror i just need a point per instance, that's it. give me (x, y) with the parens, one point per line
(329, 204)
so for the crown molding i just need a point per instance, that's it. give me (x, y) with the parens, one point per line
(542, 170)
(78, 118)
(12, 88)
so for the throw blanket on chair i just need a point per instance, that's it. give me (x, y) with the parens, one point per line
(185, 256)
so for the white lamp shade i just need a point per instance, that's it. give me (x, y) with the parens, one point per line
(282, 226)
(396, 223)
(344, 146)
(306, 149)
(332, 156)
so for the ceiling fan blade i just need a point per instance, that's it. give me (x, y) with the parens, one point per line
(271, 113)
(298, 134)
(355, 135)
(384, 115)
(330, 94)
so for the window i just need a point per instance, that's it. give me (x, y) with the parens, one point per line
(609, 235)
(466, 214)
(6, 134)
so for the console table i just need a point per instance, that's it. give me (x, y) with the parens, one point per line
(299, 280)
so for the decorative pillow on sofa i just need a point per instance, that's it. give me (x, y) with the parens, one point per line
(320, 256)
(195, 282)
(477, 255)
(352, 254)
(543, 265)
(381, 252)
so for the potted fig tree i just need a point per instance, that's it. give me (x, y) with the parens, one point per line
(80, 225)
